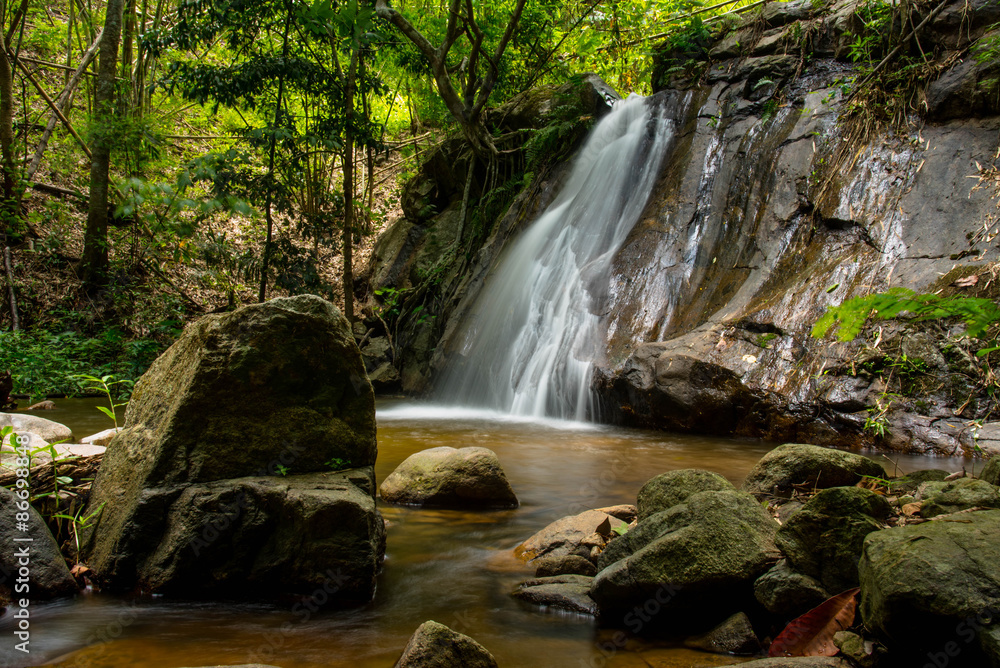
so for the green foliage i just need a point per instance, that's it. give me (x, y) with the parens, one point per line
(338, 464)
(978, 314)
(46, 363)
(112, 388)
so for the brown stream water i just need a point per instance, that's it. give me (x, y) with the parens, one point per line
(454, 567)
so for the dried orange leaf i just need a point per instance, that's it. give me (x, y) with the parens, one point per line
(812, 633)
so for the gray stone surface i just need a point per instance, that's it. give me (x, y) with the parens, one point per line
(940, 498)
(566, 592)
(785, 592)
(48, 575)
(46, 429)
(733, 636)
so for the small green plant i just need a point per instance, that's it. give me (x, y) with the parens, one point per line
(764, 340)
(79, 523)
(621, 529)
(109, 385)
(877, 422)
(338, 464)
(281, 470)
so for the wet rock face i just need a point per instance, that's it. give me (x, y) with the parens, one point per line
(933, 589)
(185, 501)
(574, 535)
(450, 478)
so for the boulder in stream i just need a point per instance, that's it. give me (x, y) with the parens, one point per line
(779, 471)
(46, 429)
(685, 561)
(566, 592)
(825, 538)
(668, 489)
(952, 496)
(571, 535)
(447, 477)
(933, 590)
(434, 645)
(245, 464)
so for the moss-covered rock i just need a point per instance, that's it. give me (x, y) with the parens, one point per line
(931, 586)
(434, 645)
(991, 472)
(689, 559)
(797, 464)
(452, 478)
(788, 593)
(274, 388)
(668, 489)
(940, 498)
(824, 540)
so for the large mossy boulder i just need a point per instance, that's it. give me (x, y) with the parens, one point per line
(694, 560)
(185, 498)
(825, 538)
(933, 589)
(47, 574)
(447, 477)
(779, 471)
(434, 645)
(668, 489)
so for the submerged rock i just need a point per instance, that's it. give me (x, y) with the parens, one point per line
(186, 501)
(434, 645)
(933, 589)
(688, 559)
(451, 478)
(48, 577)
(797, 464)
(571, 535)
(566, 592)
(799, 662)
(668, 489)
(824, 540)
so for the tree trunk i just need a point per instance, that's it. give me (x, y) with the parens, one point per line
(6, 121)
(268, 205)
(349, 187)
(95, 241)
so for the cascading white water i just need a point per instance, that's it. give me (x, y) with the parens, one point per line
(534, 334)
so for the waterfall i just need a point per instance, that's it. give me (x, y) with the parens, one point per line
(530, 342)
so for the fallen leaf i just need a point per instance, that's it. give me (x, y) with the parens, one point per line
(911, 509)
(812, 633)
(967, 282)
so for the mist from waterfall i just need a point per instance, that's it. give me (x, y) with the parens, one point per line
(530, 343)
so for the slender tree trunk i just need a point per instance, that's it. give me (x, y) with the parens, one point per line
(349, 187)
(95, 241)
(268, 215)
(6, 120)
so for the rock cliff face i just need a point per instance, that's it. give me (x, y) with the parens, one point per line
(774, 203)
